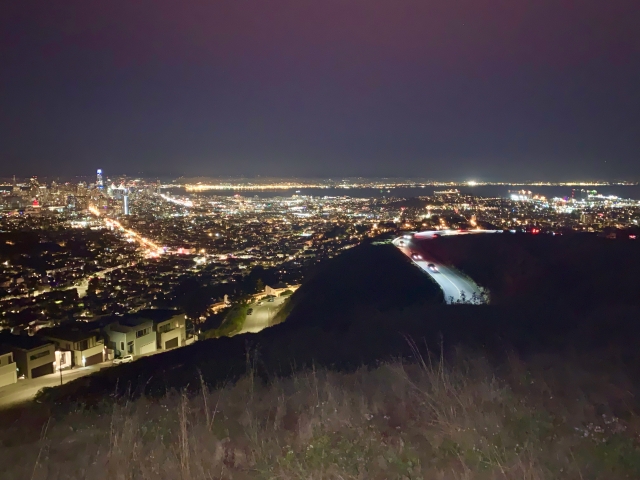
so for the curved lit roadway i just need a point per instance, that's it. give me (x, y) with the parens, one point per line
(452, 282)
(262, 315)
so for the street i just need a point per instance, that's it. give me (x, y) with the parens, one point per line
(455, 286)
(262, 315)
(26, 389)
(82, 286)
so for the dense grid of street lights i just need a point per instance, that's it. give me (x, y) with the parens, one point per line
(152, 249)
(124, 259)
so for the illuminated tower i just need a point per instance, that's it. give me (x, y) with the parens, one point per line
(125, 203)
(99, 182)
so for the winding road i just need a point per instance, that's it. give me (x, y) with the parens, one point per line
(262, 314)
(456, 287)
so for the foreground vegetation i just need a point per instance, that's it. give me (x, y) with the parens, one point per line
(399, 420)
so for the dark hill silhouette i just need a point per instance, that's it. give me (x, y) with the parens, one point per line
(583, 271)
(369, 277)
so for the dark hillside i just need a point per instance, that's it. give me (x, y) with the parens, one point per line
(369, 277)
(581, 271)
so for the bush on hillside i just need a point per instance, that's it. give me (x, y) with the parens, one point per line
(232, 323)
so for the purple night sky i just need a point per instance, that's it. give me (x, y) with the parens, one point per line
(492, 90)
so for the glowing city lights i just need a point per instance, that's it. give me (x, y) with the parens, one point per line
(152, 248)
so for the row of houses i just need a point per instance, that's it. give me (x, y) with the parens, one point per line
(80, 344)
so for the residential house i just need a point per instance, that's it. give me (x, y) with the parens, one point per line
(131, 335)
(275, 291)
(171, 332)
(8, 368)
(33, 356)
(85, 344)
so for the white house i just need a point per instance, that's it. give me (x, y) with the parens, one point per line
(131, 336)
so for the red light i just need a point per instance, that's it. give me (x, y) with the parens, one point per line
(632, 237)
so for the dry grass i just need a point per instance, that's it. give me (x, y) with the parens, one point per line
(404, 421)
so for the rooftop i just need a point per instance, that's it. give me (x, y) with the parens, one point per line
(138, 318)
(73, 333)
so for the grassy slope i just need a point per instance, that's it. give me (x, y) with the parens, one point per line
(232, 323)
(396, 421)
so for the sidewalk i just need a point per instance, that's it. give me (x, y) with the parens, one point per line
(26, 389)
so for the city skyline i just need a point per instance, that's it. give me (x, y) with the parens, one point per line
(272, 180)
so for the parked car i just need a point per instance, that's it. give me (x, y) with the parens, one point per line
(250, 311)
(270, 300)
(125, 359)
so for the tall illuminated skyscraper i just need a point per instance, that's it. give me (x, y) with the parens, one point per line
(125, 204)
(99, 182)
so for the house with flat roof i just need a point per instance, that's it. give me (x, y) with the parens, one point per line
(8, 368)
(171, 332)
(85, 343)
(275, 291)
(130, 335)
(34, 356)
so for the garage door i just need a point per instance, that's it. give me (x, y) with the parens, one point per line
(173, 343)
(45, 369)
(8, 379)
(93, 359)
(148, 348)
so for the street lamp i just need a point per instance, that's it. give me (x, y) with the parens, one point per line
(58, 364)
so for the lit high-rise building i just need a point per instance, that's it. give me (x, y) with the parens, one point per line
(125, 204)
(99, 182)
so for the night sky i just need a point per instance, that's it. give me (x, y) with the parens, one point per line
(456, 89)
